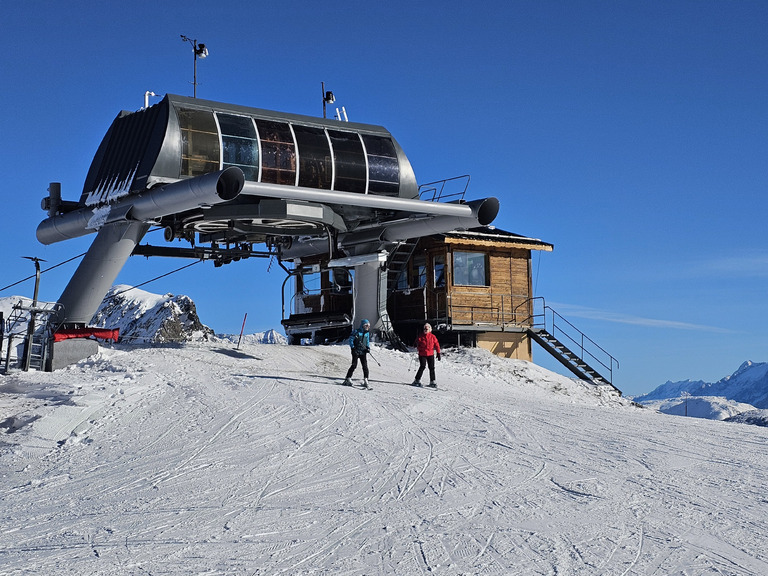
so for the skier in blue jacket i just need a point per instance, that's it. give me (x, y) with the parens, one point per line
(360, 343)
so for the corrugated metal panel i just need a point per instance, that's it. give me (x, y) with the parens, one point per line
(125, 148)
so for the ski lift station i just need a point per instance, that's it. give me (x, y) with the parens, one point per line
(337, 203)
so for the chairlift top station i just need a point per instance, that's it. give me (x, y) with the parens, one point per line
(232, 176)
(337, 200)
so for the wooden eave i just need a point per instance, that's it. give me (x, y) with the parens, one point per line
(523, 243)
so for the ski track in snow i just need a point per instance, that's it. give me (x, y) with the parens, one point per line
(203, 459)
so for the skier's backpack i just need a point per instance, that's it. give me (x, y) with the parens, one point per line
(359, 343)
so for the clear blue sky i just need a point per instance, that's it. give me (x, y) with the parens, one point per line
(631, 135)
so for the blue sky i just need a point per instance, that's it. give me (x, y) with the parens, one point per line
(631, 135)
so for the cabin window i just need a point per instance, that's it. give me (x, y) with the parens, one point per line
(315, 167)
(199, 142)
(419, 271)
(278, 152)
(470, 269)
(383, 168)
(402, 280)
(239, 144)
(438, 271)
(349, 161)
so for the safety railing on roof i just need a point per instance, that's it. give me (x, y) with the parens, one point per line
(448, 190)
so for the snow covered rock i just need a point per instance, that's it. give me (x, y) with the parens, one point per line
(143, 317)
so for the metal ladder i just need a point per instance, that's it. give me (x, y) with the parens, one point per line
(397, 263)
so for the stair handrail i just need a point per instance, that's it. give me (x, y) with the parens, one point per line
(610, 359)
(539, 320)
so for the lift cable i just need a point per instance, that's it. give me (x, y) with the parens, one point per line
(156, 278)
(42, 272)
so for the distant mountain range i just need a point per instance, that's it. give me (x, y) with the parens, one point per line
(749, 384)
(740, 397)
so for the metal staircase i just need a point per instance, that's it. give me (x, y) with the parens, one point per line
(566, 357)
(571, 347)
(397, 263)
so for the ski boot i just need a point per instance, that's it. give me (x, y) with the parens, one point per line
(416, 383)
(365, 384)
(347, 382)
(432, 384)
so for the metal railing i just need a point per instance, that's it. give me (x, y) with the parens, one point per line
(497, 309)
(448, 190)
(556, 325)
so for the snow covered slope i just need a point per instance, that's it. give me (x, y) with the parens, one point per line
(712, 407)
(203, 459)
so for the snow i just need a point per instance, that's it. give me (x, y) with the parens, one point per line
(712, 407)
(201, 458)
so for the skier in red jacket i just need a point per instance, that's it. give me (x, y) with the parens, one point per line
(427, 345)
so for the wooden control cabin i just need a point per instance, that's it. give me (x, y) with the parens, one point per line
(474, 287)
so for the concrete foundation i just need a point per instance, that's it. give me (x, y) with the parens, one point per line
(71, 351)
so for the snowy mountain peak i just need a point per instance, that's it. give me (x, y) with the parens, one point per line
(145, 317)
(743, 368)
(747, 385)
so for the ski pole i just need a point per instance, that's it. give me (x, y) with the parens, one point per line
(374, 359)
(410, 364)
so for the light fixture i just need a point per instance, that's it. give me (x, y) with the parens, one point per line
(328, 97)
(199, 51)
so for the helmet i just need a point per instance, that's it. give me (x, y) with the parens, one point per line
(365, 323)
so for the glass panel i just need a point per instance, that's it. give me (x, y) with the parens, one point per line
(314, 157)
(383, 168)
(278, 152)
(402, 280)
(199, 142)
(349, 161)
(439, 271)
(239, 144)
(419, 271)
(470, 269)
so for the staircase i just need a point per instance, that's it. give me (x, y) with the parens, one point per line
(397, 263)
(571, 347)
(567, 358)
